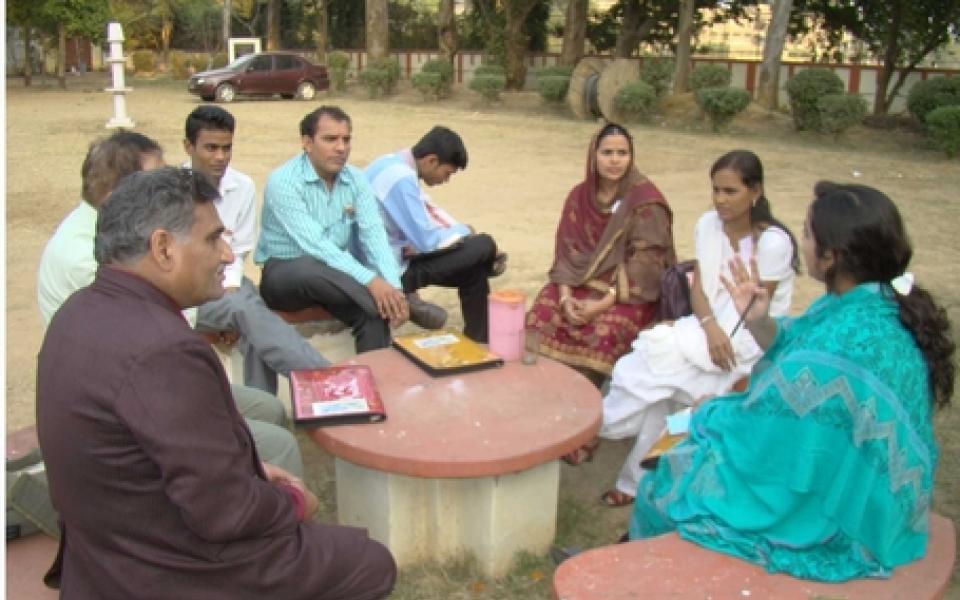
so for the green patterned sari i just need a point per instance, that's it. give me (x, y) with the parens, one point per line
(823, 468)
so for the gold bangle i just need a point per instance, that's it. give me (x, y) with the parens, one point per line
(706, 319)
(563, 299)
(612, 291)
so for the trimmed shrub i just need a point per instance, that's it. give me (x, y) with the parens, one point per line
(635, 101)
(181, 64)
(709, 76)
(658, 73)
(488, 85)
(553, 88)
(722, 104)
(428, 84)
(442, 68)
(338, 63)
(926, 96)
(840, 112)
(391, 66)
(943, 123)
(377, 81)
(144, 61)
(805, 90)
(219, 60)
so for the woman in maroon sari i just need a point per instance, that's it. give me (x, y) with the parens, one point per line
(613, 242)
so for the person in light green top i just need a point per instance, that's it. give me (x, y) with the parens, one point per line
(823, 468)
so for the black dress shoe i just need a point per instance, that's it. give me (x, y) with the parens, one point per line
(425, 314)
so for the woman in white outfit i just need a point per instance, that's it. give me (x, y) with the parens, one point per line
(685, 362)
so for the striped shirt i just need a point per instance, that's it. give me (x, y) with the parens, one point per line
(303, 217)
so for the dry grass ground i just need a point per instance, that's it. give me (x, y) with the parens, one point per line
(524, 157)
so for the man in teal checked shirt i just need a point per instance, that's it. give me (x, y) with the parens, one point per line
(323, 241)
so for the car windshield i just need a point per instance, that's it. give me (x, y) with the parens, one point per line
(240, 62)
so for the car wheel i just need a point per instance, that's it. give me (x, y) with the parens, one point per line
(226, 92)
(306, 91)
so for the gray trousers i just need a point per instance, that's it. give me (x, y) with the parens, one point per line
(269, 344)
(267, 422)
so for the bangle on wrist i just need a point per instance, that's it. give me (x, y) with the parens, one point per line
(563, 299)
(612, 291)
(706, 319)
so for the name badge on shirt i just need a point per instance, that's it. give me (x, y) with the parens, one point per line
(348, 212)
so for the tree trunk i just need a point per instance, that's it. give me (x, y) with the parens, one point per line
(27, 63)
(376, 20)
(629, 39)
(880, 104)
(321, 35)
(226, 26)
(448, 30)
(515, 42)
(684, 31)
(62, 55)
(772, 51)
(273, 25)
(166, 32)
(574, 32)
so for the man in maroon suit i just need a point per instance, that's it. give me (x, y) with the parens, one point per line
(154, 472)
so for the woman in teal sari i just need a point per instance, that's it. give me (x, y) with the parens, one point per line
(823, 468)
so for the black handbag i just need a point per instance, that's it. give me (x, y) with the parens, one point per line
(675, 291)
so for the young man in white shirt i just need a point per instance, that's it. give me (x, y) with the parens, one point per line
(268, 344)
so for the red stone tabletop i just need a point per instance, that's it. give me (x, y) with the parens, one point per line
(489, 422)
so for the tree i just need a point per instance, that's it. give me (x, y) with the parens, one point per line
(377, 32)
(574, 32)
(227, 10)
(448, 30)
(901, 33)
(515, 42)
(82, 18)
(273, 24)
(28, 15)
(772, 51)
(321, 33)
(684, 30)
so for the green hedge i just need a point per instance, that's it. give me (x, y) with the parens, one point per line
(490, 69)
(805, 90)
(428, 84)
(658, 73)
(181, 64)
(709, 76)
(338, 63)
(488, 85)
(377, 81)
(391, 67)
(943, 123)
(636, 101)
(722, 104)
(926, 96)
(442, 68)
(839, 112)
(144, 61)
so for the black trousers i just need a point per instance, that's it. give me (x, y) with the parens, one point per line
(467, 268)
(303, 282)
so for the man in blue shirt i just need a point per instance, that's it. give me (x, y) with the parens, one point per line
(322, 240)
(430, 245)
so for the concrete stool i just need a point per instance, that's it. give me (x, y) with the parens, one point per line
(28, 560)
(670, 567)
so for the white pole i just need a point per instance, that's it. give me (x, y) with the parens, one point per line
(117, 62)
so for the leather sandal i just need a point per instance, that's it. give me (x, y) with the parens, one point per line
(582, 454)
(614, 498)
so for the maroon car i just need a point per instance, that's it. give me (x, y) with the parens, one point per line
(262, 74)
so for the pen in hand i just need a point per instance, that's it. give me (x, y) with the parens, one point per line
(743, 315)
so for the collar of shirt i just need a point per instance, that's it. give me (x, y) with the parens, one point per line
(228, 182)
(309, 174)
(407, 156)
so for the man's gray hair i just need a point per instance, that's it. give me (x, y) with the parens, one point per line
(144, 202)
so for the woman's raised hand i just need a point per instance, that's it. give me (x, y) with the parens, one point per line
(746, 290)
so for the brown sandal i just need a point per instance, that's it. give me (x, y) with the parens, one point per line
(614, 498)
(582, 454)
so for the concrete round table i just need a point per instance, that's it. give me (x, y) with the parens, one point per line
(465, 462)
